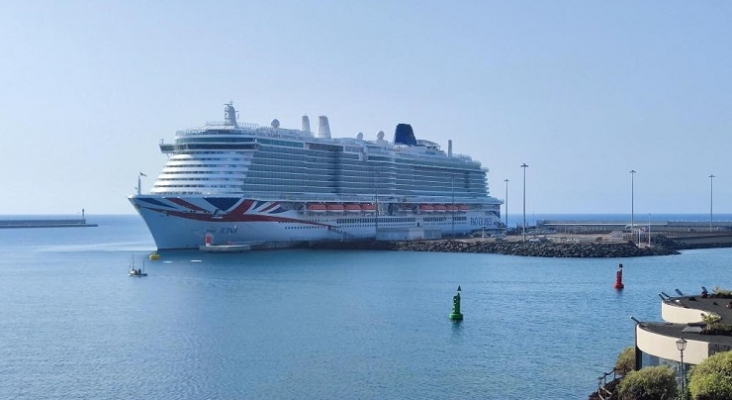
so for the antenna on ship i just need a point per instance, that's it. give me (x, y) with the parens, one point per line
(139, 183)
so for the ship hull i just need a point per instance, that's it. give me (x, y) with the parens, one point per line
(185, 222)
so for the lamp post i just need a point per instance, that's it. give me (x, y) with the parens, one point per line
(711, 200)
(523, 227)
(632, 211)
(505, 209)
(681, 345)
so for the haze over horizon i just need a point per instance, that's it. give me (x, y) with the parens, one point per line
(582, 92)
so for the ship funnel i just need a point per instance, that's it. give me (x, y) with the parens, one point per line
(404, 135)
(324, 128)
(230, 115)
(449, 148)
(305, 123)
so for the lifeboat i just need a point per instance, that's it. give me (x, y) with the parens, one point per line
(368, 208)
(451, 208)
(316, 208)
(463, 207)
(336, 208)
(426, 208)
(353, 208)
(439, 208)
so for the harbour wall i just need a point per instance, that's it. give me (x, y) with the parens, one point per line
(45, 223)
(522, 248)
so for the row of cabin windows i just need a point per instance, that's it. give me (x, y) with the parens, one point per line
(371, 220)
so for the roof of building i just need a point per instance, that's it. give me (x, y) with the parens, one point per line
(716, 305)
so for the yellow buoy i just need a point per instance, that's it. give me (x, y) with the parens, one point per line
(154, 256)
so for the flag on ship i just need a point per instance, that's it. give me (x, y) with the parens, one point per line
(141, 174)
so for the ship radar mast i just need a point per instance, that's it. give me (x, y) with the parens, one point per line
(230, 115)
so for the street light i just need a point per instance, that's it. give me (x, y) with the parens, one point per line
(711, 200)
(632, 211)
(681, 345)
(524, 166)
(506, 207)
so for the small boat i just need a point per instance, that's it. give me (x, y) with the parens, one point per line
(137, 271)
(154, 256)
(451, 208)
(317, 208)
(426, 208)
(225, 248)
(463, 207)
(369, 208)
(353, 208)
(439, 208)
(336, 208)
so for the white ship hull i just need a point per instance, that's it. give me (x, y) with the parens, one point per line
(184, 222)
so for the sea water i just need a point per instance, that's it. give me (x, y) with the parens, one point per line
(303, 324)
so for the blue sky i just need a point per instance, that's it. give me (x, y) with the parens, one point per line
(582, 92)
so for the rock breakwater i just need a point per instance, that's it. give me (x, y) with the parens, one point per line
(527, 249)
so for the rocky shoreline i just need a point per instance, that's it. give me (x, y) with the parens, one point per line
(526, 249)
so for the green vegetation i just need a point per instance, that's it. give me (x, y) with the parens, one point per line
(710, 319)
(712, 378)
(720, 293)
(626, 361)
(651, 383)
(714, 325)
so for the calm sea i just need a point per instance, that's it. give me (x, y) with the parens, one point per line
(299, 324)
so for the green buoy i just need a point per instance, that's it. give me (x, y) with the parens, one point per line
(456, 315)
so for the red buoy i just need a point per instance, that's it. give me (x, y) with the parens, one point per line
(619, 278)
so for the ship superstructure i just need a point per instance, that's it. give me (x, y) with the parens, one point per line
(271, 186)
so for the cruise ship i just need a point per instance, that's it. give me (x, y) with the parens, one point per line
(266, 186)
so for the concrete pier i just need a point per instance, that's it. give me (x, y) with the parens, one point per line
(45, 223)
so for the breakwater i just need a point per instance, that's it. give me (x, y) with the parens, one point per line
(44, 223)
(526, 249)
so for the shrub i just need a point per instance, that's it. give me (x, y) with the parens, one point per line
(626, 361)
(712, 378)
(714, 326)
(651, 383)
(710, 318)
(721, 293)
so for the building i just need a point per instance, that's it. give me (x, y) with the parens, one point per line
(656, 342)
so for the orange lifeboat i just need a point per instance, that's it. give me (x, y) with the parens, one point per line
(463, 207)
(316, 208)
(353, 208)
(368, 207)
(451, 208)
(336, 208)
(439, 208)
(426, 208)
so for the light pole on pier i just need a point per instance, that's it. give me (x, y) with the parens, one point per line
(505, 209)
(523, 227)
(711, 200)
(632, 211)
